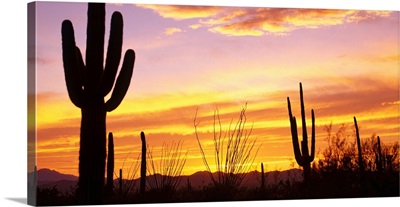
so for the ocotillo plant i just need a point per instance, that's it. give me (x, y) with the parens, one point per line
(302, 157)
(360, 158)
(110, 164)
(233, 154)
(87, 86)
(143, 164)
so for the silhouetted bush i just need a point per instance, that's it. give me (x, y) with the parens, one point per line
(337, 172)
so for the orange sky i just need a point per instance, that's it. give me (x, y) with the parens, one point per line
(204, 58)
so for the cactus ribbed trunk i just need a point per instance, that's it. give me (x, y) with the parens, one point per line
(307, 172)
(92, 153)
(143, 164)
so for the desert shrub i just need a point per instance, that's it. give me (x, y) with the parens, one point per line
(125, 184)
(339, 154)
(337, 172)
(233, 156)
(164, 170)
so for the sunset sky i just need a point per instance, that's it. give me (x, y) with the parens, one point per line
(204, 58)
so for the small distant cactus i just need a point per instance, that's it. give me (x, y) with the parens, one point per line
(360, 158)
(120, 181)
(143, 164)
(262, 177)
(302, 157)
(379, 159)
(110, 164)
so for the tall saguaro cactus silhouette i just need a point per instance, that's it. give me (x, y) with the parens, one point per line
(302, 157)
(88, 84)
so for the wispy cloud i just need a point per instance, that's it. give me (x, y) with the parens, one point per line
(383, 59)
(172, 30)
(195, 26)
(182, 12)
(235, 21)
(282, 21)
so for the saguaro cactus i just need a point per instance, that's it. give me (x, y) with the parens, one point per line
(360, 158)
(110, 164)
(302, 157)
(379, 158)
(120, 181)
(262, 177)
(87, 86)
(143, 164)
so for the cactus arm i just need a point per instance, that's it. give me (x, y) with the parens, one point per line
(123, 81)
(296, 147)
(113, 54)
(72, 71)
(289, 109)
(95, 46)
(312, 136)
(303, 118)
(295, 140)
(81, 68)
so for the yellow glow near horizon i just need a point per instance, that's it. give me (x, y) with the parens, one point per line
(48, 152)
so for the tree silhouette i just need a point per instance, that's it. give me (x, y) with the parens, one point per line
(87, 85)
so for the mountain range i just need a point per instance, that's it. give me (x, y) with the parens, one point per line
(47, 178)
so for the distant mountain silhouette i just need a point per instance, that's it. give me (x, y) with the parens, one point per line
(49, 178)
(47, 175)
(252, 179)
